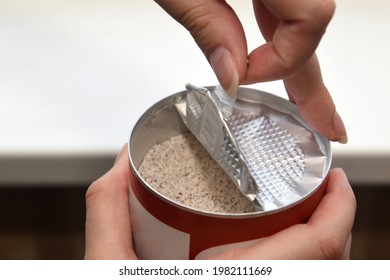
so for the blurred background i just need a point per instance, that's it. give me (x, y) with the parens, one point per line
(76, 75)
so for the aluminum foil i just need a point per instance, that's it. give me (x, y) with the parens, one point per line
(261, 142)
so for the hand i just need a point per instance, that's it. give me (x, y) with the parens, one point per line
(327, 235)
(108, 227)
(292, 30)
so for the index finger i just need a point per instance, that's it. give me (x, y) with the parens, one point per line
(293, 30)
(292, 35)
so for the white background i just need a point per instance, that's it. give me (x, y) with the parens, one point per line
(76, 75)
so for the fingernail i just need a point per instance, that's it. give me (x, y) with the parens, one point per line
(339, 128)
(225, 69)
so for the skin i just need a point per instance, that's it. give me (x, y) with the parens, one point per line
(327, 234)
(292, 30)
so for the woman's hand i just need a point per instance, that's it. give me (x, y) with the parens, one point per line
(327, 235)
(108, 226)
(292, 30)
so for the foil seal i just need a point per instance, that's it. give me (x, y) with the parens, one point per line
(260, 140)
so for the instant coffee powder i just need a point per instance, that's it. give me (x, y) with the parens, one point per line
(167, 228)
(181, 169)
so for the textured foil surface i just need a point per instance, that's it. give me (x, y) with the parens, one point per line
(261, 142)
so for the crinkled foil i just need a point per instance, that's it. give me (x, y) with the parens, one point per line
(261, 142)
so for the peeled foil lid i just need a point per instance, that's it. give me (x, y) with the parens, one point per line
(260, 140)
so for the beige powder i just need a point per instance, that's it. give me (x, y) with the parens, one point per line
(181, 169)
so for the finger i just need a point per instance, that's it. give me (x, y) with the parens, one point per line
(108, 229)
(307, 90)
(327, 233)
(306, 87)
(300, 27)
(219, 34)
(325, 236)
(347, 251)
(335, 214)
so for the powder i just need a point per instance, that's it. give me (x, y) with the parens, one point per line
(181, 169)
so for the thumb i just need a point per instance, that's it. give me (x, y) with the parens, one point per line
(219, 34)
(108, 227)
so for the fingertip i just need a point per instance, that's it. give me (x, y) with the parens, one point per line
(225, 68)
(121, 154)
(339, 199)
(339, 129)
(338, 181)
